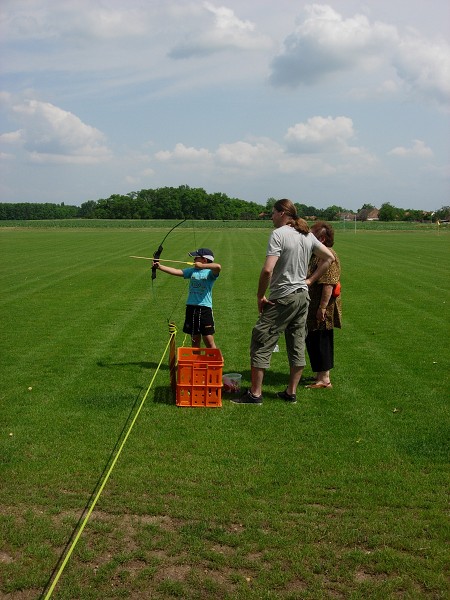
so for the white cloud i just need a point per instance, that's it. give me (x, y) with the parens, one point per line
(12, 137)
(217, 29)
(184, 154)
(320, 134)
(248, 155)
(326, 43)
(72, 19)
(51, 134)
(319, 147)
(242, 156)
(323, 145)
(418, 149)
(425, 67)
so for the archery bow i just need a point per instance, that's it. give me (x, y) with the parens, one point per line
(183, 262)
(158, 252)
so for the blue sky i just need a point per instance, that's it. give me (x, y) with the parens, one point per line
(341, 102)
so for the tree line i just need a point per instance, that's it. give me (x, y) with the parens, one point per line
(30, 211)
(195, 203)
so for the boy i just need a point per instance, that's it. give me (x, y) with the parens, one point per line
(199, 319)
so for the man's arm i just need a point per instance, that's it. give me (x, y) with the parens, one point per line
(264, 281)
(326, 260)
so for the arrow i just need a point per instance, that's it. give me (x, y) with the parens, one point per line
(183, 262)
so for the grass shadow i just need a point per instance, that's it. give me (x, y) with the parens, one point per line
(164, 395)
(275, 379)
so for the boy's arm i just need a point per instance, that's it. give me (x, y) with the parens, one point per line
(215, 267)
(169, 270)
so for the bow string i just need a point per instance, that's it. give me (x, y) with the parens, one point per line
(158, 252)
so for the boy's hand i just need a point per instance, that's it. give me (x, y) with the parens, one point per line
(155, 263)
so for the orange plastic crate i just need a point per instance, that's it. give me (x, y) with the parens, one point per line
(199, 377)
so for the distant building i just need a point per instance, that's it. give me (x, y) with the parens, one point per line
(368, 214)
(346, 216)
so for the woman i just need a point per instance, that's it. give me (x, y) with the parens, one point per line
(324, 313)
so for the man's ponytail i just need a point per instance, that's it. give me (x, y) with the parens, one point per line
(288, 207)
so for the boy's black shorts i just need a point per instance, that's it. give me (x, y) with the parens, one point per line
(198, 320)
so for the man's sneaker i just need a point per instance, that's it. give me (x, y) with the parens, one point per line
(291, 398)
(248, 398)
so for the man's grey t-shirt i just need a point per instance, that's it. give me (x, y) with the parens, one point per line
(294, 251)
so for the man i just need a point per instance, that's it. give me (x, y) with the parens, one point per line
(285, 269)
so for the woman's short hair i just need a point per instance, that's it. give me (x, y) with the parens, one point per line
(321, 228)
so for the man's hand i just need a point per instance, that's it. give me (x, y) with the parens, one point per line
(262, 302)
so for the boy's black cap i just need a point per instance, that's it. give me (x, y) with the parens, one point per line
(205, 252)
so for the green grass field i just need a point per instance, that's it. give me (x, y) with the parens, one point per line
(343, 495)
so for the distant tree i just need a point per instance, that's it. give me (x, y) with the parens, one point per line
(269, 206)
(443, 214)
(145, 200)
(301, 209)
(331, 213)
(411, 214)
(388, 212)
(87, 209)
(33, 211)
(193, 203)
(307, 211)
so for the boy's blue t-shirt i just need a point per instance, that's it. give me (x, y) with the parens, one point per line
(200, 286)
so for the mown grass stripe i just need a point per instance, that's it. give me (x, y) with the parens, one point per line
(339, 493)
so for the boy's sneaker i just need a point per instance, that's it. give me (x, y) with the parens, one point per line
(248, 398)
(291, 398)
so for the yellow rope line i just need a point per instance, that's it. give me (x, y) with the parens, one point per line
(173, 332)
